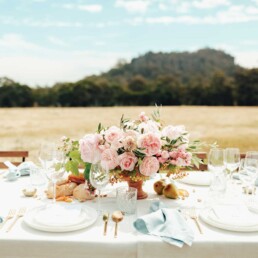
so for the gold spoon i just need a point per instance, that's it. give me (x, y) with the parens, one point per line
(117, 216)
(105, 219)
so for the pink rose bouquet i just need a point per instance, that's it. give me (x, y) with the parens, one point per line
(137, 149)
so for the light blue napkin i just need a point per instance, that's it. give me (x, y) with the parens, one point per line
(168, 224)
(236, 176)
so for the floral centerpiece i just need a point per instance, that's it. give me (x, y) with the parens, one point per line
(134, 151)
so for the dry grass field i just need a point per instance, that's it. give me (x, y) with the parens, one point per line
(26, 129)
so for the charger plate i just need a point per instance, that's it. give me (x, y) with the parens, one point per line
(197, 178)
(205, 215)
(86, 218)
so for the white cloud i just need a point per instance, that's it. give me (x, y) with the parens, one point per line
(134, 6)
(92, 8)
(234, 14)
(32, 64)
(8, 20)
(205, 4)
(16, 41)
(248, 59)
(57, 41)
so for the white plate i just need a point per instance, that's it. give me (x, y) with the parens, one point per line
(197, 178)
(205, 216)
(87, 217)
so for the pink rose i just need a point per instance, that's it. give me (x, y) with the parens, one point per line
(149, 127)
(143, 117)
(109, 158)
(164, 155)
(89, 148)
(127, 161)
(150, 142)
(174, 132)
(149, 166)
(181, 158)
(113, 134)
(129, 143)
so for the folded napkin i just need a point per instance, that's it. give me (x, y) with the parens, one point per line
(236, 176)
(233, 215)
(23, 168)
(168, 224)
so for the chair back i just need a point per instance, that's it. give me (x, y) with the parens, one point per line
(16, 157)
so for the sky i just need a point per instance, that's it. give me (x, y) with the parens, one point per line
(47, 41)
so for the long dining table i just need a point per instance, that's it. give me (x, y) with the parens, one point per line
(27, 242)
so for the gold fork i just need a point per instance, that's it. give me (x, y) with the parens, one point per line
(20, 214)
(193, 216)
(9, 216)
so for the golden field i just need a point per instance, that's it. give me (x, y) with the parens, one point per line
(27, 128)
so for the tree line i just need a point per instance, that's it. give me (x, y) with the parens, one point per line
(204, 77)
(241, 89)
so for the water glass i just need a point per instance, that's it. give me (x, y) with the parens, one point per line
(126, 199)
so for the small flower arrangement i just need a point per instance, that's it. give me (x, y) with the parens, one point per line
(135, 150)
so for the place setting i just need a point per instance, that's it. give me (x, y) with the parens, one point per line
(229, 207)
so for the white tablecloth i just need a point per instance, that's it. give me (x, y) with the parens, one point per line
(23, 241)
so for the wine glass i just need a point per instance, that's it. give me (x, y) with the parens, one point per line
(232, 160)
(252, 155)
(216, 160)
(52, 161)
(99, 178)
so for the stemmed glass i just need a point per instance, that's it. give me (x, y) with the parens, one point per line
(216, 160)
(52, 161)
(99, 178)
(232, 160)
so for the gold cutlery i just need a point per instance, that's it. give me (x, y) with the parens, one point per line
(193, 216)
(9, 216)
(20, 214)
(105, 219)
(117, 216)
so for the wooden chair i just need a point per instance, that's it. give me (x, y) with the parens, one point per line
(4, 155)
(203, 157)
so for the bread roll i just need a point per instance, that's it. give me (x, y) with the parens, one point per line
(82, 194)
(61, 190)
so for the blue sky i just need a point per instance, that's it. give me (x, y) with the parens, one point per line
(48, 41)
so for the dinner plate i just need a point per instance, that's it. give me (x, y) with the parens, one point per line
(86, 218)
(205, 215)
(197, 178)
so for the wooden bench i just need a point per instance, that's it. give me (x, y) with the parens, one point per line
(13, 155)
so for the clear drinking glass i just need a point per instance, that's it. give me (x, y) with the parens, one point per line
(99, 178)
(52, 161)
(126, 199)
(37, 179)
(252, 155)
(216, 165)
(232, 160)
(216, 161)
(249, 172)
